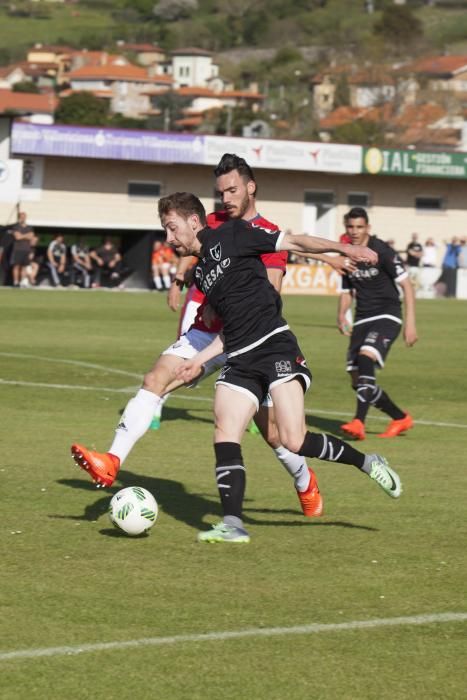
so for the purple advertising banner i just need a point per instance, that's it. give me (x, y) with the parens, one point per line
(117, 144)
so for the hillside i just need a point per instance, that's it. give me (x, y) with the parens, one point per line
(222, 26)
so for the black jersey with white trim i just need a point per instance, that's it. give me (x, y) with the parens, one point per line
(375, 287)
(234, 280)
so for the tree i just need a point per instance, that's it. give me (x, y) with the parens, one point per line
(171, 10)
(399, 26)
(364, 132)
(82, 108)
(26, 86)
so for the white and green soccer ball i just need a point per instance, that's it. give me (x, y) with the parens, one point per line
(134, 510)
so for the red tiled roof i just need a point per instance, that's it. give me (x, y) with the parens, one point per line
(5, 71)
(437, 65)
(241, 94)
(341, 116)
(27, 102)
(129, 73)
(196, 92)
(189, 121)
(357, 75)
(98, 58)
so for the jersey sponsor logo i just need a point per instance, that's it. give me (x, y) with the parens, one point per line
(223, 372)
(211, 278)
(366, 274)
(371, 337)
(283, 368)
(216, 252)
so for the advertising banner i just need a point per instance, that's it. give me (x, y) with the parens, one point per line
(116, 144)
(387, 161)
(286, 155)
(311, 279)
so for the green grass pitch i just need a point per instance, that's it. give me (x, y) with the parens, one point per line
(69, 362)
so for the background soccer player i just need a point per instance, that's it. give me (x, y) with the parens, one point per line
(377, 323)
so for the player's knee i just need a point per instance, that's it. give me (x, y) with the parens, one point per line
(292, 441)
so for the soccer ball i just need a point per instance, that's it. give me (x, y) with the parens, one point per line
(134, 510)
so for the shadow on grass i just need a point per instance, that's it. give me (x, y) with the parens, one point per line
(189, 508)
(169, 413)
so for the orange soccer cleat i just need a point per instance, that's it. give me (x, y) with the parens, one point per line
(396, 427)
(102, 466)
(311, 499)
(355, 429)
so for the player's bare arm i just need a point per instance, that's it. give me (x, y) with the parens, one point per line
(304, 245)
(190, 369)
(410, 329)
(344, 304)
(175, 291)
(339, 263)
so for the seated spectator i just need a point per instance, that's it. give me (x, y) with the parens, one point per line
(430, 253)
(81, 263)
(414, 252)
(106, 259)
(162, 263)
(30, 272)
(22, 236)
(56, 259)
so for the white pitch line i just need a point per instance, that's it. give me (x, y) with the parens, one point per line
(79, 363)
(205, 399)
(236, 634)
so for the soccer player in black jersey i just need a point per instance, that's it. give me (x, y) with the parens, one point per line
(377, 323)
(262, 353)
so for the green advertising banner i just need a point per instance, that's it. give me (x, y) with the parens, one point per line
(388, 161)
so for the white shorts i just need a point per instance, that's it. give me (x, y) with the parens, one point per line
(190, 344)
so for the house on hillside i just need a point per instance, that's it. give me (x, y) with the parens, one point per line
(10, 75)
(145, 54)
(193, 68)
(439, 72)
(38, 109)
(126, 86)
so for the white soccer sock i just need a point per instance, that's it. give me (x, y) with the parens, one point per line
(296, 466)
(134, 422)
(160, 405)
(157, 282)
(166, 280)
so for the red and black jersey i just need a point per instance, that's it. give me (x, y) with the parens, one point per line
(275, 260)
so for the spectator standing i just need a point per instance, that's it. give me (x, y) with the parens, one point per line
(106, 259)
(23, 235)
(430, 253)
(81, 262)
(414, 252)
(56, 259)
(447, 282)
(6, 246)
(462, 259)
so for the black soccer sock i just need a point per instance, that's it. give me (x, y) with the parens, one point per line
(366, 385)
(385, 404)
(330, 449)
(230, 477)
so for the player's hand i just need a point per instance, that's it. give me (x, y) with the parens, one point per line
(360, 253)
(344, 327)
(342, 264)
(188, 371)
(410, 336)
(173, 297)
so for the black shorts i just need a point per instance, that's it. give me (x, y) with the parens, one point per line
(20, 257)
(277, 360)
(376, 336)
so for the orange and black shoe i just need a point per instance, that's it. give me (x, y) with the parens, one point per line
(311, 500)
(396, 427)
(102, 466)
(355, 429)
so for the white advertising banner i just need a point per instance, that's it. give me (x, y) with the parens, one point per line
(286, 155)
(311, 279)
(461, 291)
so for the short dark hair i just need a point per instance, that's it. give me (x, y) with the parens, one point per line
(229, 162)
(184, 203)
(357, 213)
